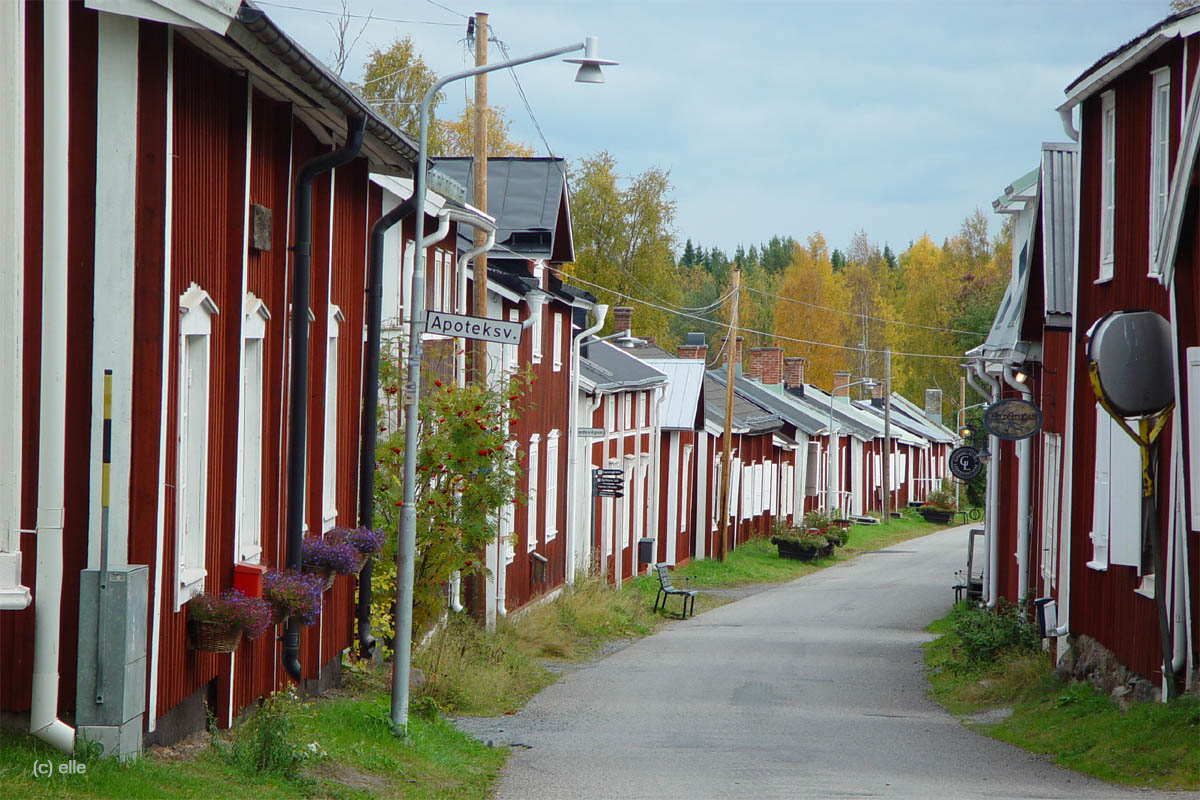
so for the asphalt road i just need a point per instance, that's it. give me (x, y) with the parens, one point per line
(810, 689)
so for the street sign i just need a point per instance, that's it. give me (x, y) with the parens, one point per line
(608, 483)
(1012, 419)
(591, 433)
(490, 330)
(965, 463)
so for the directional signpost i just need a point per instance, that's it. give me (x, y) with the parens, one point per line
(608, 483)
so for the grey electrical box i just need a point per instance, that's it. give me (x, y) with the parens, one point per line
(111, 685)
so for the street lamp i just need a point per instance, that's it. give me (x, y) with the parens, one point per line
(589, 72)
(833, 438)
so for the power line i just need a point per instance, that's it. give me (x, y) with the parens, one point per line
(742, 329)
(357, 16)
(447, 8)
(860, 316)
(525, 100)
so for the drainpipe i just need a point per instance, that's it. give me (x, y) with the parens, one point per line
(1024, 456)
(368, 432)
(1068, 124)
(460, 359)
(991, 541)
(298, 390)
(573, 444)
(43, 712)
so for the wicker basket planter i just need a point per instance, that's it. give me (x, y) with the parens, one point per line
(937, 515)
(210, 637)
(327, 574)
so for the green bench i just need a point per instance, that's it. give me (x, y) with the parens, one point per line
(665, 590)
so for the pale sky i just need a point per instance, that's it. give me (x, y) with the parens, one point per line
(898, 117)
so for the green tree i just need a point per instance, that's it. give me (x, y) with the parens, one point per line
(458, 137)
(394, 82)
(624, 240)
(467, 469)
(809, 278)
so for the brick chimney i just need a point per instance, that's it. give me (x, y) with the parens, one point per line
(766, 365)
(793, 371)
(737, 350)
(933, 405)
(841, 383)
(876, 391)
(694, 347)
(622, 319)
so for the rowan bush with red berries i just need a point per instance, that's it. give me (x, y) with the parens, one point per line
(467, 469)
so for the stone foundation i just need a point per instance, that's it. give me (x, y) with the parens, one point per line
(1090, 661)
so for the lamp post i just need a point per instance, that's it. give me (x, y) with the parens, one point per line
(589, 72)
(829, 493)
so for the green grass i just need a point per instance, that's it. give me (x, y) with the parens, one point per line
(1151, 745)
(363, 760)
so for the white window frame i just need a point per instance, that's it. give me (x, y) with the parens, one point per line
(250, 450)
(448, 281)
(1108, 178)
(556, 347)
(684, 498)
(1051, 478)
(626, 411)
(610, 413)
(536, 334)
(508, 513)
(196, 309)
(640, 418)
(1193, 402)
(531, 507)
(435, 297)
(1116, 504)
(1160, 169)
(552, 462)
(329, 452)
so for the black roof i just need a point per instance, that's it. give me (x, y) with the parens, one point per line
(612, 368)
(746, 416)
(528, 199)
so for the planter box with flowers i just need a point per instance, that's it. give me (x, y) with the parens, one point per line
(293, 594)
(329, 556)
(816, 539)
(216, 624)
(938, 507)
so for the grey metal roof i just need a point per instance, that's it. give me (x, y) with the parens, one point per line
(936, 431)
(607, 368)
(685, 383)
(746, 417)
(528, 198)
(776, 400)
(643, 349)
(1004, 338)
(902, 428)
(1059, 195)
(848, 419)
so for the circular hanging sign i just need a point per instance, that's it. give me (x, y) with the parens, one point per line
(1012, 418)
(965, 462)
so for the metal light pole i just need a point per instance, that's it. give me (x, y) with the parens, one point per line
(589, 72)
(833, 437)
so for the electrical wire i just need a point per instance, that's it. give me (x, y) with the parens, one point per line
(447, 8)
(357, 16)
(861, 316)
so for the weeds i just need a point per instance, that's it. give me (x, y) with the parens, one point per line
(986, 635)
(266, 741)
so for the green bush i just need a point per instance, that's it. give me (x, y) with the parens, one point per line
(266, 740)
(985, 635)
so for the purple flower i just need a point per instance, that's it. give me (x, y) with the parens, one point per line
(331, 552)
(365, 540)
(232, 610)
(297, 593)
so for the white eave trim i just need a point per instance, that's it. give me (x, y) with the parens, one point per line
(1185, 162)
(212, 15)
(1104, 74)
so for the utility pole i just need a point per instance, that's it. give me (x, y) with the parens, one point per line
(887, 434)
(480, 168)
(731, 345)
(476, 585)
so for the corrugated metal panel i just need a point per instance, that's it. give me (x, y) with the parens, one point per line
(1059, 197)
(685, 379)
(208, 185)
(145, 471)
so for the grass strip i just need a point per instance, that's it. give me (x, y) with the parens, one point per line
(1148, 745)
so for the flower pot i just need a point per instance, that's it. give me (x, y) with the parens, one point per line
(324, 572)
(279, 614)
(794, 551)
(213, 638)
(937, 516)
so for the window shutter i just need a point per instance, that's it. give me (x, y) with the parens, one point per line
(1101, 492)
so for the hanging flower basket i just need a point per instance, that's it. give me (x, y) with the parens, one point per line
(211, 637)
(295, 594)
(330, 555)
(218, 622)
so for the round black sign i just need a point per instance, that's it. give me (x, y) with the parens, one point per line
(1012, 418)
(965, 463)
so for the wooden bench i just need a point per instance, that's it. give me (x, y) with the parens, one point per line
(665, 590)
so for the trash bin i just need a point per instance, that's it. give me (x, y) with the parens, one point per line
(645, 551)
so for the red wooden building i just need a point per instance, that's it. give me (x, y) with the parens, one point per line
(164, 253)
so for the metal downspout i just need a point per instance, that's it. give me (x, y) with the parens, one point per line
(298, 390)
(43, 712)
(460, 359)
(992, 541)
(1024, 456)
(368, 432)
(573, 510)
